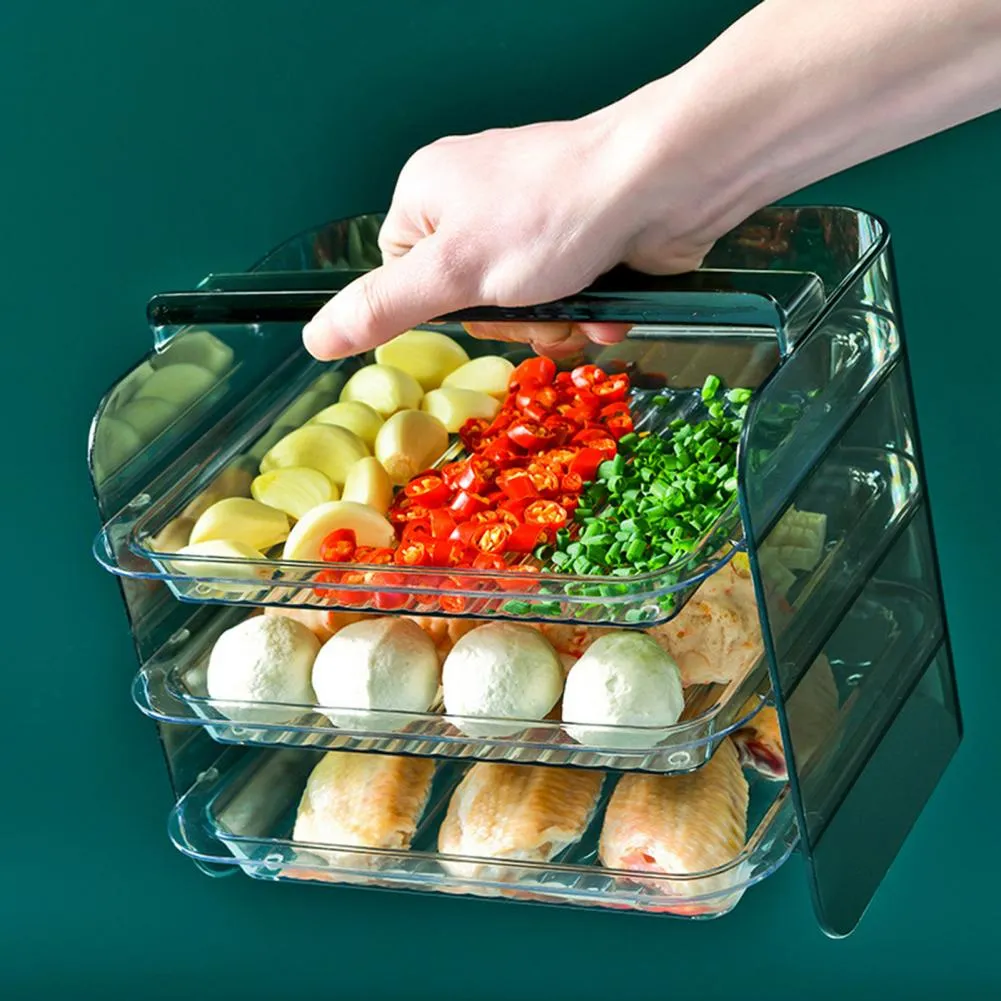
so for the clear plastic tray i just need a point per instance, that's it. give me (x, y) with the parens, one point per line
(171, 688)
(664, 361)
(241, 812)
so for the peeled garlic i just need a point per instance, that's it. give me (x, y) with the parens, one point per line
(226, 549)
(303, 407)
(453, 407)
(332, 450)
(148, 415)
(384, 388)
(427, 355)
(408, 443)
(353, 415)
(197, 347)
(368, 483)
(173, 537)
(241, 519)
(233, 481)
(179, 384)
(293, 489)
(370, 529)
(489, 374)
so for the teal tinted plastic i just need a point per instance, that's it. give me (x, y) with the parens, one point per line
(865, 748)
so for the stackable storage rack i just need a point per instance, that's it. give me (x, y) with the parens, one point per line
(798, 303)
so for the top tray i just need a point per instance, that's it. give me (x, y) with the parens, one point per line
(745, 344)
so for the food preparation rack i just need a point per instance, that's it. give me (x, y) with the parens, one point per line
(797, 304)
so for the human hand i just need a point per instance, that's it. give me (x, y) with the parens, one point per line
(512, 217)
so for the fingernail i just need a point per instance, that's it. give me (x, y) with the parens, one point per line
(311, 338)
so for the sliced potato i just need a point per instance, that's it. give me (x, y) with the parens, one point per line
(370, 528)
(427, 355)
(453, 407)
(233, 481)
(240, 519)
(197, 347)
(384, 388)
(489, 374)
(293, 489)
(179, 384)
(231, 549)
(408, 443)
(332, 450)
(148, 415)
(368, 483)
(353, 415)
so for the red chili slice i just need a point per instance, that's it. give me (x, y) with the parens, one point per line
(612, 387)
(547, 513)
(428, 489)
(387, 600)
(441, 523)
(351, 599)
(416, 531)
(586, 462)
(572, 483)
(587, 376)
(453, 603)
(544, 479)
(498, 515)
(524, 538)
(517, 483)
(404, 509)
(489, 537)
(339, 546)
(533, 372)
(465, 505)
(451, 472)
(472, 431)
(477, 475)
(448, 553)
(501, 453)
(489, 561)
(598, 439)
(413, 553)
(619, 425)
(530, 435)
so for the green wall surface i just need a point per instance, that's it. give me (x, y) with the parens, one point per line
(145, 144)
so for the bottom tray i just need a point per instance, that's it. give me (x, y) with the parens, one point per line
(241, 812)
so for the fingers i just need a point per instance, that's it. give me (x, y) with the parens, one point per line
(401, 293)
(553, 339)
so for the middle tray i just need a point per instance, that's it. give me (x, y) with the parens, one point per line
(171, 688)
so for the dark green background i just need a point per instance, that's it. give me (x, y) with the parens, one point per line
(144, 144)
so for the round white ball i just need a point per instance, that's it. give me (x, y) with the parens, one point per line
(384, 663)
(263, 659)
(501, 670)
(624, 679)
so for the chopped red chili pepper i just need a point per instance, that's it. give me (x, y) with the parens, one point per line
(339, 546)
(428, 489)
(416, 531)
(572, 483)
(465, 505)
(488, 537)
(546, 512)
(585, 463)
(612, 387)
(619, 425)
(517, 483)
(472, 431)
(533, 372)
(413, 553)
(530, 435)
(477, 475)
(544, 479)
(587, 376)
(441, 523)
(447, 553)
(454, 603)
(523, 539)
(598, 439)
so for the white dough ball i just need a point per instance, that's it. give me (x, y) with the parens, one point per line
(624, 679)
(263, 659)
(501, 670)
(384, 663)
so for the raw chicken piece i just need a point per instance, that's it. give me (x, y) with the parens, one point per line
(813, 714)
(516, 813)
(570, 639)
(445, 632)
(680, 824)
(320, 623)
(716, 637)
(363, 801)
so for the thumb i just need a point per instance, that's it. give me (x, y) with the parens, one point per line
(392, 298)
